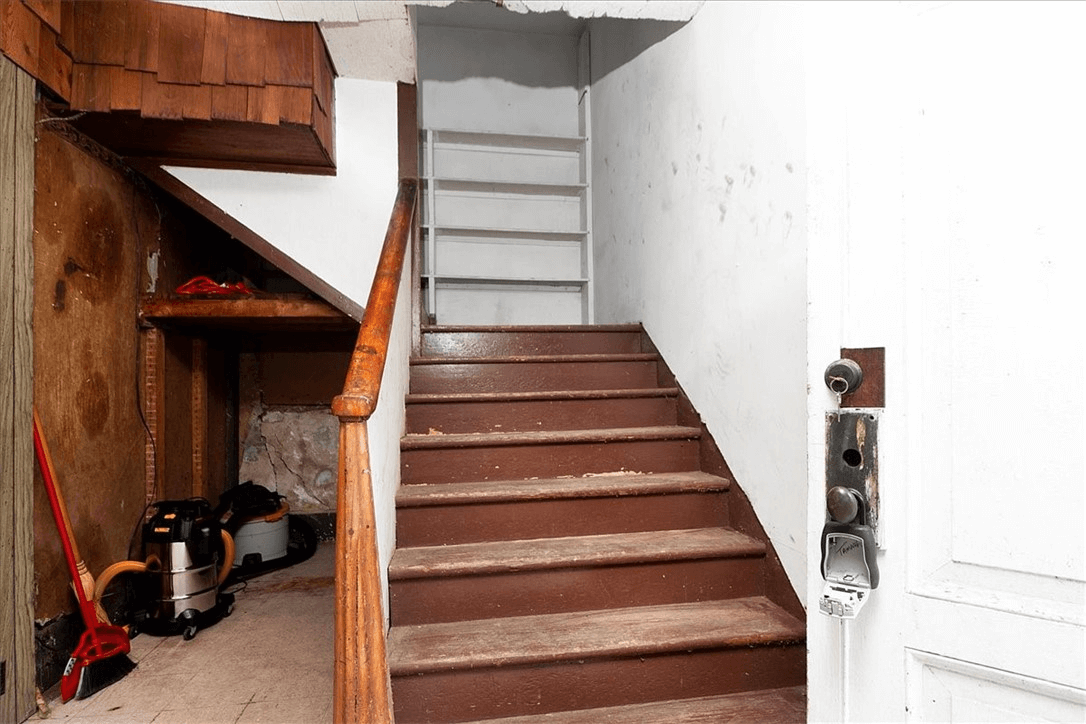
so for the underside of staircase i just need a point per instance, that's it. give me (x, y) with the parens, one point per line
(571, 548)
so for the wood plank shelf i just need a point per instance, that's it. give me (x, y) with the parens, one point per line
(506, 227)
(498, 233)
(530, 281)
(495, 186)
(247, 313)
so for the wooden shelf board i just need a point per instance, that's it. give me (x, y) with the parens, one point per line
(511, 281)
(255, 313)
(542, 234)
(517, 140)
(519, 188)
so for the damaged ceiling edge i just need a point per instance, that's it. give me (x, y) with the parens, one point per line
(674, 10)
(257, 243)
(375, 39)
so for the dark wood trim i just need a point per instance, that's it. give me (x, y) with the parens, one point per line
(186, 195)
(363, 385)
(273, 313)
(872, 391)
(199, 418)
(407, 111)
(269, 167)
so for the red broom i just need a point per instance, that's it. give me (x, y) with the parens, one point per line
(101, 657)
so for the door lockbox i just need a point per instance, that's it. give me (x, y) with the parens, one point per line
(849, 541)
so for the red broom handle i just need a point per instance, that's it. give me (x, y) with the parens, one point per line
(85, 606)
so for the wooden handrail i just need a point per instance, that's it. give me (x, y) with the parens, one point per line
(362, 687)
(359, 398)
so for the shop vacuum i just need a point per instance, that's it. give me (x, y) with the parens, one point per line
(188, 557)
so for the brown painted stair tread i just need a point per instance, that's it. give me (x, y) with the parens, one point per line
(769, 706)
(585, 635)
(594, 486)
(537, 358)
(489, 341)
(454, 397)
(549, 437)
(548, 553)
(587, 329)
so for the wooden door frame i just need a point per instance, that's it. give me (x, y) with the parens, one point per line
(17, 113)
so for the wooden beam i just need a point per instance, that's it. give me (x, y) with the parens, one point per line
(17, 109)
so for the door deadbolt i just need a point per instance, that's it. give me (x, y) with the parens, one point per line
(843, 376)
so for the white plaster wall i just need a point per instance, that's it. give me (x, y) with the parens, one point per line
(386, 427)
(335, 226)
(331, 225)
(699, 226)
(494, 80)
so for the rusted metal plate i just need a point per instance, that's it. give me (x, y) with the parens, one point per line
(852, 457)
(872, 393)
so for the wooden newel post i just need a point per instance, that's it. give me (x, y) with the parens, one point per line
(361, 674)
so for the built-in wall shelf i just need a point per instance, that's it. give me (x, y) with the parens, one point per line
(506, 228)
(504, 187)
(248, 313)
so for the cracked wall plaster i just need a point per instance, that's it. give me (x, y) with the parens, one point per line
(295, 452)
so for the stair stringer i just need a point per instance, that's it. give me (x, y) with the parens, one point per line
(741, 514)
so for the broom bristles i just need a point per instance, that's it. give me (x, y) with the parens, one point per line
(97, 675)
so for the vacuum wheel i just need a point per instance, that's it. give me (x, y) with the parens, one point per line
(190, 628)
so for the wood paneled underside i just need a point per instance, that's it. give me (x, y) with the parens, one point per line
(287, 147)
(181, 85)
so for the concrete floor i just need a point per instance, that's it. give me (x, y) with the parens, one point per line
(268, 663)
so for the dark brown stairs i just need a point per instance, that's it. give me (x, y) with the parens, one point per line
(566, 553)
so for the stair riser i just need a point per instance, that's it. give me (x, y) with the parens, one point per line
(532, 376)
(496, 344)
(470, 695)
(520, 462)
(441, 600)
(520, 416)
(451, 524)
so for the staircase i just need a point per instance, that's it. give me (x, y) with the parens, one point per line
(565, 554)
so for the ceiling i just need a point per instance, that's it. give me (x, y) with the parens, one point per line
(374, 39)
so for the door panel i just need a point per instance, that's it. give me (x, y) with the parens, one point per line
(956, 164)
(944, 690)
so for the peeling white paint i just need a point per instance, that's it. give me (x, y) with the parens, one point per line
(681, 10)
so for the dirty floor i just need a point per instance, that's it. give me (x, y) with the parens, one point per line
(270, 662)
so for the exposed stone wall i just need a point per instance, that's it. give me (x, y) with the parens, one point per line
(291, 449)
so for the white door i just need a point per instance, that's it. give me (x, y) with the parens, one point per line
(947, 223)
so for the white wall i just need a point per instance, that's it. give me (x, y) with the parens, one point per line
(494, 80)
(699, 230)
(386, 427)
(331, 225)
(335, 226)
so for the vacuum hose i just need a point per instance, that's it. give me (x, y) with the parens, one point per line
(152, 564)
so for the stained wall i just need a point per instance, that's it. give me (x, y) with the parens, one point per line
(90, 223)
(699, 230)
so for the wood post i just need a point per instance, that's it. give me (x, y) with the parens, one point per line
(17, 104)
(361, 669)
